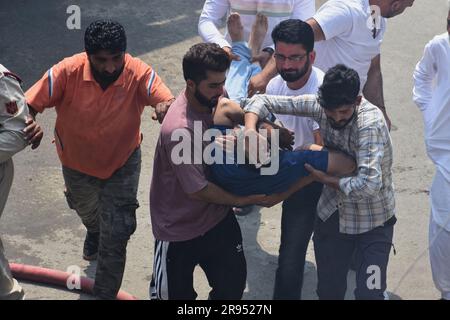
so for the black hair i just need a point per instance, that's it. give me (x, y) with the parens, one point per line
(204, 57)
(294, 31)
(340, 87)
(105, 35)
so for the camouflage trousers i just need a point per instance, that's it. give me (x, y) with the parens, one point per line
(107, 206)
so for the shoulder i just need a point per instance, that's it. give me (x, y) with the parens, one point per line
(75, 62)
(343, 6)
(317, 75)
(370, 116)
(439, 40)
(176, 117)
(70, 65)
(275, 85)
(5, 74)
(136, 66)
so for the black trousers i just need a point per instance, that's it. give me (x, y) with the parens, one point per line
(219, 252)
(297, 225)
(334, 251)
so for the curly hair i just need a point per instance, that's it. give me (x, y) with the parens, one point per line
(340, 87)
(105, 35)
(204, 57)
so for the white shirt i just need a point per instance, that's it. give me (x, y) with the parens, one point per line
(348, 28)
(275, 10)
(303, 127)
(432, 95)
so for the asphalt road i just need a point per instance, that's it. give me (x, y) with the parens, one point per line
(38, 228)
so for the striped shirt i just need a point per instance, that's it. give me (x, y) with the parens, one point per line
(366, 200)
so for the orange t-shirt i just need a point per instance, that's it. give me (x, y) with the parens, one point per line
(96, 131)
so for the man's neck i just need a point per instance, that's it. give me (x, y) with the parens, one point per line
(195, 105)
(300, 83)
(103, 84)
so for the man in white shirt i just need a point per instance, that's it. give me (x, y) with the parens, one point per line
(353, 31)
(294, 56)
(17, 130)
(432, 96)
(275, 10)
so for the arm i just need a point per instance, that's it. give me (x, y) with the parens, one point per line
(191, 175)
(214, 194)
(333, 19)
(154, 92)
(49, 90)
(303, 9)
(258, 83)
(368, 181)
(314, 126)
(423, 79)
(275, 198)
(317, 29)
(11, 142)
(318, 138)
(17, 127)
(213, 11)
(261, 105)
(373, 90)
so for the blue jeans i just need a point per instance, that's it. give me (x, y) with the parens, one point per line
(297, 224)
(240, 72)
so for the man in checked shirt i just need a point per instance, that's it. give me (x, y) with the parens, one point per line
(354, 212)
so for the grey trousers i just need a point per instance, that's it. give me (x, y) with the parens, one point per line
(107, 206)
(334, 251)
(9, 288)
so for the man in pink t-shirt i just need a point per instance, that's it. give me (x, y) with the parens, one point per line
(192, 220)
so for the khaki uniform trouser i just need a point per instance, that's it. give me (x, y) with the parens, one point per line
(8, 285)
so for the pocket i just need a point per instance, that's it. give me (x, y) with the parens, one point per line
(124, 220)
(69, 199)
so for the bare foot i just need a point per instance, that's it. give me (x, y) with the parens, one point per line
(235, 28)
(259, 30)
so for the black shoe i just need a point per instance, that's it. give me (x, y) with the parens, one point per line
(90, 248)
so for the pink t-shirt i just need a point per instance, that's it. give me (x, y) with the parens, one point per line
(175, 216)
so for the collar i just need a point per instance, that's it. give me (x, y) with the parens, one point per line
(88, 76)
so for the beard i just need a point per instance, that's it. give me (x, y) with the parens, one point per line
(205, 101)
(341, 124)
(106, 77)
(292, 75)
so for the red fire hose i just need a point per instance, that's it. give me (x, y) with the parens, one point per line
(58, 278)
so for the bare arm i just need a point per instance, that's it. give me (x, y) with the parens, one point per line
(318, 138)
(213, 11)
(258, 83)
(317, 29)
(373, 90)
(214, 194)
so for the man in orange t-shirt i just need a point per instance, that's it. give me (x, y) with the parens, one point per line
(99, 96)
